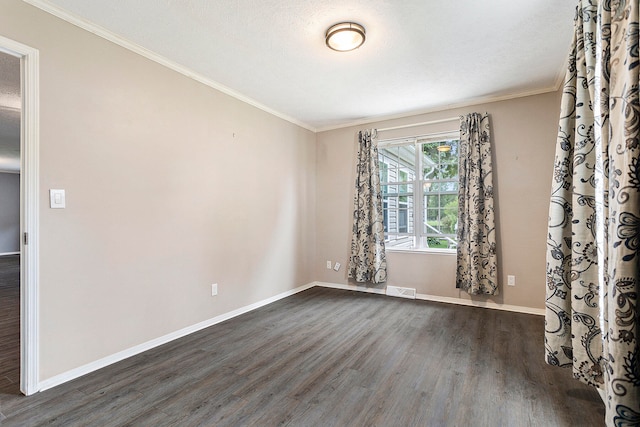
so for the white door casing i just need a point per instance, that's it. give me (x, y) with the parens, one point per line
(29, 193)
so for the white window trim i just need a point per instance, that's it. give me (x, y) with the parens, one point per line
(431, 251)
(418, 201)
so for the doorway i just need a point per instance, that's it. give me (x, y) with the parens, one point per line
(10, 164)
(21, 375)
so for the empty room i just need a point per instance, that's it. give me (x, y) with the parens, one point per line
(336, 213)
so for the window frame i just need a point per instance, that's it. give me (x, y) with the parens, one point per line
(419, 235)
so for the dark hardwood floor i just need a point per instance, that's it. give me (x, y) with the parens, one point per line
(10, 324)
(328, 357)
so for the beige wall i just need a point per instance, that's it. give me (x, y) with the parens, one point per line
(524, 133)
(170, 186)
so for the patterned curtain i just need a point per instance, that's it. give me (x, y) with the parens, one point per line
(594, 214)
(477, 259)
(368, 260)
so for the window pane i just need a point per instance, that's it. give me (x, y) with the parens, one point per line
(448, 171)
(449, 217)
(451, 186)
(442, 221)
(405, 175)
(432, 201)
(405, 189)
(397, 241)
(407, 156)
(405, 202)
(450, 156)
(399, 165)
(384, 171)
(433, 216)
(389, 159)
(391, 216)
(449, 199)
(430, 153)
(448, 224)
(441, 187)
(392, 202)
(441, 243)
(389, 156)
(434, 225)
(440, 171)
(398, 213)
(430, 171)
(403, 221)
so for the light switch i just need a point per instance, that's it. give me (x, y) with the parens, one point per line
(57, 199)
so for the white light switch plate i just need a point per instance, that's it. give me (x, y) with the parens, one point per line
(57, 199)
(336, 267)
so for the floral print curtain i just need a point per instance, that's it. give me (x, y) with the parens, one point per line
(367, 262)
(477, 259)
(593, 262)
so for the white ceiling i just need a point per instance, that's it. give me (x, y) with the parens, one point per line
(419, 55)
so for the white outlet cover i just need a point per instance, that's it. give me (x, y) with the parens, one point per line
(337, 266)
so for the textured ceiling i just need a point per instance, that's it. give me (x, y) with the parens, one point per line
(9, 113)
(419, 55)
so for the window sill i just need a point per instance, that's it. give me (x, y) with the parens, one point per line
(431, 251)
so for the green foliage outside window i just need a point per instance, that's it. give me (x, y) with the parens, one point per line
(419, 190)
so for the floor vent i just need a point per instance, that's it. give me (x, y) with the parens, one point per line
(396, 291)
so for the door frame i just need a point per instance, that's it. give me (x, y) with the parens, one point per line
(29, 218)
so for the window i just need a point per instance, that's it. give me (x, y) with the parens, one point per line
(419, 184)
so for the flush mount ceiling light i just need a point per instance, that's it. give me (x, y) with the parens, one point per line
(345, 36)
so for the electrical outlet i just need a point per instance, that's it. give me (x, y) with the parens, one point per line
(511, 280)
(214, 289)
(328, 265)
(337, 266)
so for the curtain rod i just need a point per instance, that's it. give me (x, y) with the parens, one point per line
(432, 122)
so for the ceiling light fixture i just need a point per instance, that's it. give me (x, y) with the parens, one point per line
(345, 36)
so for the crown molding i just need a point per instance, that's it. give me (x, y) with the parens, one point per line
(80, 22)
(127, 44)
(440, 108)
(563, 70)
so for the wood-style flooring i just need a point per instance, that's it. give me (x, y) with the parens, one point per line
(327, 357)
(9, 324)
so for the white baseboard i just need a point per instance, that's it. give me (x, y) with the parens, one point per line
(9, 253)
(350, 288)
(483, 304)
(109, 360)
(448, 300)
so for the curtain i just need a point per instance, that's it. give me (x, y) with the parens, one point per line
(591, 322)
(477, 260)
(367, 262)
